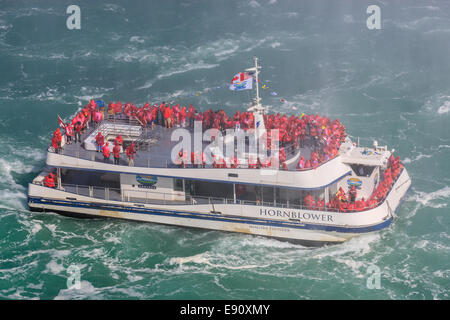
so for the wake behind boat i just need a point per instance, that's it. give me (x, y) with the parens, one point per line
(296, 178)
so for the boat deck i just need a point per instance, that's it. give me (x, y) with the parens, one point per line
(153, 146)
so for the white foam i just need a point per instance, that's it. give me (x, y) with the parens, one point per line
(134, 278)
(51, 228)
(418, 23)
(115, 37)
(431, 8)
(89, 97)
(86, 291)
(263, 242)
(4, 26)
(57, 56)
(417, 158)
(445, 274)
(155, 56)
(54, 267)
(407, 160)
(257, 44)
(226, 52)
(254, 4)
(358, 267)
(198, 258)
(28, 153)
(36, 228)
(93, 253)
(12, 194)
(445, 108)
(431, 199)
(186, 68)
(38, 286)
(88, 93)
(292, 14)
(113, 7)
(275, 45)
(50, 95)
(437, 31)
(147, 84)
(204, 258)
(113, 239)
(360, 245)
(137, 39)
(151, 58)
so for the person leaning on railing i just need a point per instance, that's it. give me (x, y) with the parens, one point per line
(50, 180)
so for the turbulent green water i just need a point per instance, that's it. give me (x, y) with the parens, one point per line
(392, 85)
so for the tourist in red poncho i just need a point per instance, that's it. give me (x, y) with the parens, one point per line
(167, 114)
(106, 153)
(49, 181)
(69, 132)
(191, 115)
(56, 140)
(131, 150)
(309, 201)
(118, 140)
(100, 140)
(116, 153)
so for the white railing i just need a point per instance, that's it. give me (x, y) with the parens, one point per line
(115, 194)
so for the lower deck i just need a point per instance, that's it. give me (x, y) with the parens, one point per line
(141, 189)
(148, 189)
(260, 219)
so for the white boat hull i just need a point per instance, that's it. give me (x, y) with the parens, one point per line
(306, 226)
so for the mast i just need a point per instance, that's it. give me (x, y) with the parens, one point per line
(257, 101)
(257, 109)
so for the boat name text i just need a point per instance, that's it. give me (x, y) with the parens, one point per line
(296, 215)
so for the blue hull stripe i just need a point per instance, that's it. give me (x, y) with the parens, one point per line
(212, 217)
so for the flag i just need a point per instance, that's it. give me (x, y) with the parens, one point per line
(241, 81)
(61, 123)
(100, 103)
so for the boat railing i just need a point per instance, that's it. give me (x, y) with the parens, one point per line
(162, 198)
(321, 163)
(147, 163)
(112, 128)
(128, 130)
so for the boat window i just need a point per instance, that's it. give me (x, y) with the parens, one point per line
(211, 189)
(178, 185)
(91, 178)
(362, 170)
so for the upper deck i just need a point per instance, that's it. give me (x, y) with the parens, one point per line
(154, 156)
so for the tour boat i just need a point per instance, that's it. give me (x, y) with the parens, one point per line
(298, 178)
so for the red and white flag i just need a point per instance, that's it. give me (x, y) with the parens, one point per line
(61, 123)
(241, 81)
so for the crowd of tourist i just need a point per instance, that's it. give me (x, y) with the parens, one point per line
(320, 134)
(348, 202)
